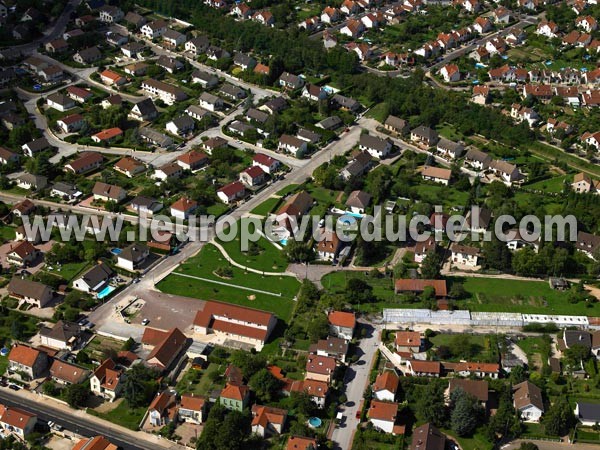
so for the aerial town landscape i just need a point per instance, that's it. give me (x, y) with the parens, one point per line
(116, 333)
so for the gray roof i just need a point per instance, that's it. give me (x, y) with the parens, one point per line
(90, 53)
(359, 199)
(38, 144)
(255, 114)
(38, 181)
(172, 34)
(576, 337)
(65, 188)
(134, 252)
(425, 133)
(477, 155)
(588, 411)
(450, 146)
(308, 135)
(396, 122)
(205, 76)
(97, 274)
(146, 107)
(183, 122)
(241, 127)
(61, 331)
(233, 91)
(330, 123)
(242, 59)
(155, 136)
(209, 98)
(60, 99)
(169, 63)
(200, 41)
(27, 288)
(147, 202)
(346, 102)
(276, 104)
(373, 142)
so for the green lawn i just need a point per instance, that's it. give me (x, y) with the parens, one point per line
(68, 271)
(266, 207)
(378, 112)
(449, 132)
(205, 385)
(529, 297)
(7, 233)
(484, 349)
(537, 350)
(3, 364)
(208, 260)
(269, 258)
(477, 442)
(123, 415)
(217, 210)
(551, 154)
(555, 185)
(433, 194)
(288, 189)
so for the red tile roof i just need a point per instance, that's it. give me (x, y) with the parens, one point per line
(383, 411)
(235, 392)
(24, 355)
(342, 319)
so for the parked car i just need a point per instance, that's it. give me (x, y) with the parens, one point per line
(145, 322)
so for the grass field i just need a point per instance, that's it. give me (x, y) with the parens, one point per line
(7, 233)
(123, 415)
(286, 190)
(551, 153)
(537, 350)
(476, 442)
(378, 112)
(483, 351)
(554, 185)
(533, 297)
(433, 194)
(270, 258)
(218, 209)
(68, 271)
(266, 207)
(208, 260)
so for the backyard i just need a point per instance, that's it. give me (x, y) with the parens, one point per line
(269, 293)
(266, 207)
(122, 415)
(538, 351)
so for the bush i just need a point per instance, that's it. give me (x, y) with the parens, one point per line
(224, 272)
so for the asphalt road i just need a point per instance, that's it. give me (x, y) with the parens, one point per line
(80, 425)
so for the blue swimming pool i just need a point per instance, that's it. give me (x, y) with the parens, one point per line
(116, 251)
(315, 422)
(283, 242)
(105, 292)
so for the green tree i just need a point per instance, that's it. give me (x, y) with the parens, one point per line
(559, 418)
(139, 386)
(318, 328)
(76, 395)
(265, 385)
(430, 267)
(431, 405)
(466, 413)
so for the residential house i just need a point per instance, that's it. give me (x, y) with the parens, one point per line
(192, 160)
(173, 38)
(107, 136)
(169, 64)
(409, 342)
(144, 110)
(87, 55)
(108, 192)
(274, 105)
(253, 176)
(183, 208)
(232, 92)
(383, 415)
(528, 401)
(386, 386)
(30, 292)
(198, 113)
(210, 102)
(23, 208)
(167, 350)
(65, 373)
(112, 100)
(583, 183)
(65, 191)
(506, 171)
(479, 389)
(437, 175)
(332, 347)
(478, 219)
(232, 192)
(587, 413)
(450, 73)
(145, 205)
(353, 28)
(301, 443)
(133, 49)
(264, 18)
(318, 391)
(548, 29)
(22, 254)
(477, 159)
(449, 149)
(85, 162)
(155, 138)
(8, 157)
(268, 421)
(163, 409)
(110, 14)
(428, 437)
(328, 246)
(358, 201)
(135, 19)
(244, 61)
(293, 145)
(95, 279)
(111, 78)
(62, 335)
(375, 146)
(130, 167)
(320, 368)
(314, 93)
(192, 409)
(168, 171)
(166, 92)
(154, 29)
(396, 125)
(28, 360)
(235, 397)
(181, 126)
(424, 135)
(197, 45)
(32, 182)
(34, 147)
(290, 81)
(296, 206)
(57, 46)
(205, 79)
(71, 123)
(421, 368)
(330, 123)
(17, 422)
(132, 257)
(465, 255)
(266, 163)
(342, 324)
